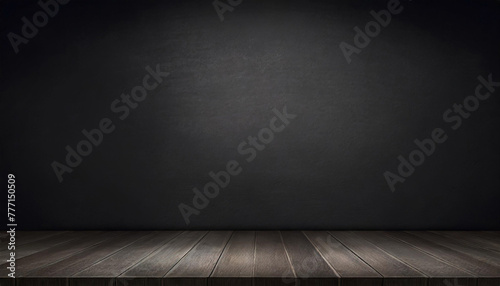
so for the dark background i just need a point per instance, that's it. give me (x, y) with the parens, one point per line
(325, 170)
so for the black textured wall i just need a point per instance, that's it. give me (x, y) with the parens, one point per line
(214, 80)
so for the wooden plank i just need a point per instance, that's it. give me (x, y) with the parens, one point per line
(119, 262)
(473, 238)
(488, 257)
(236, 264)
(25, 237)
(394, 271)
(197, 265)
(344, 261)
(59, 252)
(351, 269)
(42, 244)
(387, 265)
(453, 257)
(488, 235)
(260, 258)
(436, 269)
(24, 264)
(158, 263)
(82, 260)
(272, 266)
(309, 266)
(495, 234)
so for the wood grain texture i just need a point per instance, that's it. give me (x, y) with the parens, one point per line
(490, 257)
(492, 234)
(271, 258)
(25, 237)
(474, 238)
(343, 260)
(309, 266)
(200, 261)
(49, 255)
(122, 260)
(427, 264)
(38, 245)
(236, 265)
(46, 257)
(453, 257)
(82, 260)
(387, 265)
(158, 263)
(272, 266)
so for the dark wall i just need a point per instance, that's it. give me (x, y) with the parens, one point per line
(325, 169)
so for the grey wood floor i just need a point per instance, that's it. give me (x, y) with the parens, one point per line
(157, 258)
